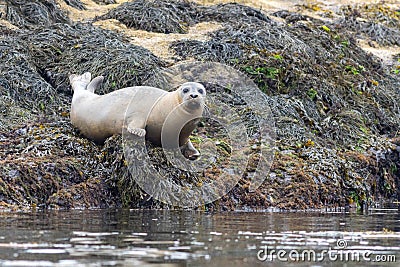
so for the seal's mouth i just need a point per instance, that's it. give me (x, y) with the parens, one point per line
(193, 103)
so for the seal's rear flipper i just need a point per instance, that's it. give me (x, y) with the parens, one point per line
(80, 82)
(95, 84)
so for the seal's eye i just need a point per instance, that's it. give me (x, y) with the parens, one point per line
(201, 91)
(185, 90)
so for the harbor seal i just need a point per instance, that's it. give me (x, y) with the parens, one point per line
(143, 110)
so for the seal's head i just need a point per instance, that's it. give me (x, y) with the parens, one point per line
(192, 95)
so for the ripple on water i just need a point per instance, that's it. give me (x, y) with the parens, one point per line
(194, 238)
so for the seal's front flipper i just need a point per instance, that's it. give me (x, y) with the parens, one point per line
(189, 151)
(80, 82)
(95, 84)
(137, 131)
(135, 128)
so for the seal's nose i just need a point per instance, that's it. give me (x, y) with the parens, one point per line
(193, 96)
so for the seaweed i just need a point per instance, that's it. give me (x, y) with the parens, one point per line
(232, 13)
(37, 13)
(155, 15)
(76, 4)
(176, 16)
(336, 107)
(382, 34)
(286, 60)
(379, 22)
(327, 95)
(105, 2)
(36, 159)
(65, 49)
(20, 81)
(292, 17)
(45, 161)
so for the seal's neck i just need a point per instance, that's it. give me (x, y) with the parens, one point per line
(177, 98)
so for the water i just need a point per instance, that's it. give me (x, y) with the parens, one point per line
(187, 238)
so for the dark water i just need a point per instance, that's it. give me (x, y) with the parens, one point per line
(177, 238)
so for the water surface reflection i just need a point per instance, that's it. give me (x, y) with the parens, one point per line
(188, 238)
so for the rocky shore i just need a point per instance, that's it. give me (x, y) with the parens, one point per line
(330, 74)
